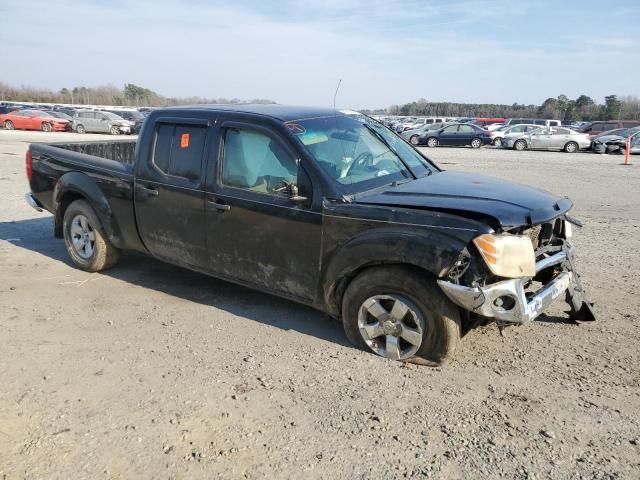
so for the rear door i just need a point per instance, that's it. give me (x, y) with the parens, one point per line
(465, 134)
(169, 191)
(256, 233)
(560, 137)
(19, 119)
(541, 138)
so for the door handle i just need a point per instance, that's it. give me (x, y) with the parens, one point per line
(149, 191)
(222, 207)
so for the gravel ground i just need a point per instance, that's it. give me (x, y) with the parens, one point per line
(151, 371)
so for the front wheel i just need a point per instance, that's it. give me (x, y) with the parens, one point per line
(400, 314)
(46, 127)
(86, 242)
(8, 125)
(571, 147)
(114, 130)
(497, 142)
(413, 140)
(81, 129)
(520, 145)
(432, 142)
(476, 143)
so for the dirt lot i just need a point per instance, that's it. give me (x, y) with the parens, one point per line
(150, 371)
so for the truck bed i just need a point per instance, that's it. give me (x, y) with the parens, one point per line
(121, 151)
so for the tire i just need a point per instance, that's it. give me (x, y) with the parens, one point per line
(429, 312)
(476, 143)
(46, 127)
(80, 129)
(81, 227)
(114, 130)
(8, 125)
(497, 142)
(432, 142)
(520, 145)
(572, 147)
(413, 140)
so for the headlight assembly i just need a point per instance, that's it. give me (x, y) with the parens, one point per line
(506, 255)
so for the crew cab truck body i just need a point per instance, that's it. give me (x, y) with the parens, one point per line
(324, 208)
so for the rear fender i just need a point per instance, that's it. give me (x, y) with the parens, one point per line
(76, 185)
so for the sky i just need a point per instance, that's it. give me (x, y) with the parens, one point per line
(295, 52)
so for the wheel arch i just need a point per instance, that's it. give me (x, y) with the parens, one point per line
(430, 253)
(78, 186)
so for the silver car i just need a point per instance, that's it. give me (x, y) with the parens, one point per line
(100, 122)
(514, 131)
(550, 138)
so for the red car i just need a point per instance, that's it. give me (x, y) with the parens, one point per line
(34, 120)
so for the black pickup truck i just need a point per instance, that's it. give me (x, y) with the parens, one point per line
(327, 208)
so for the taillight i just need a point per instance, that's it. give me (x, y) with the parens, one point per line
(29, 161)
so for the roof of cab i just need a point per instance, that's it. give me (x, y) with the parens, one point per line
(284, 113)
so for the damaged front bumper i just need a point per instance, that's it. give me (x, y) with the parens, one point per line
(509, 302)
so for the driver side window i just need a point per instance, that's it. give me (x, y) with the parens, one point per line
(253, 161)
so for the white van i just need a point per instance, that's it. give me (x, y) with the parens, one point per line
(532, 121)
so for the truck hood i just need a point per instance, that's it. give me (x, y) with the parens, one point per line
(476, 196)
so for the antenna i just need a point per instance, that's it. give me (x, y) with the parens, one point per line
(336, 94)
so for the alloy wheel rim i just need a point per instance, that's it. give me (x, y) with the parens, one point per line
(391, 326)
(83, 237)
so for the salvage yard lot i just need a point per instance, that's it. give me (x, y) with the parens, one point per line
(151, 371)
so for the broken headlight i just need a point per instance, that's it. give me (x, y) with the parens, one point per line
(506, 255)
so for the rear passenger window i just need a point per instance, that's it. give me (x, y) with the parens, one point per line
(179, 150)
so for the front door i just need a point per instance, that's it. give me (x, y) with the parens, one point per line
(256, 232)
(449, 136)
(169, 192)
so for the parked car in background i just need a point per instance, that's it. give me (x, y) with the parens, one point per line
(549, 138)
(100, 122)
(414, 136)
(404, 124)
(457, 134)
(133, 116)
(596, 128)
(34, 120)
(7, 108)
(494, 126)
(513, 131)
(532, 121)
(484, 122)
(606, 141)
(635, 144)
(61, 115)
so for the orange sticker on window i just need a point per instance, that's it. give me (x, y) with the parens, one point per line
(184, 140)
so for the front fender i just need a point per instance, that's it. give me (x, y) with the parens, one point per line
(428, 240)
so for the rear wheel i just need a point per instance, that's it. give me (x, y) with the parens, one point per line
(81, 129)
(413, 140)
(432, 142)
(86, 242)
(8, 125)
(571, 147)
(476, 143)
(520, 145)
(46, 127)
(400, 314)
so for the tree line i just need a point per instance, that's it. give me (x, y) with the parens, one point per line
(560, 108)
(128, 95)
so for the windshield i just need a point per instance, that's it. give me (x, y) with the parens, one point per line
(358, 153)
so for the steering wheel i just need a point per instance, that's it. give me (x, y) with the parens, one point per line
(361, 160)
